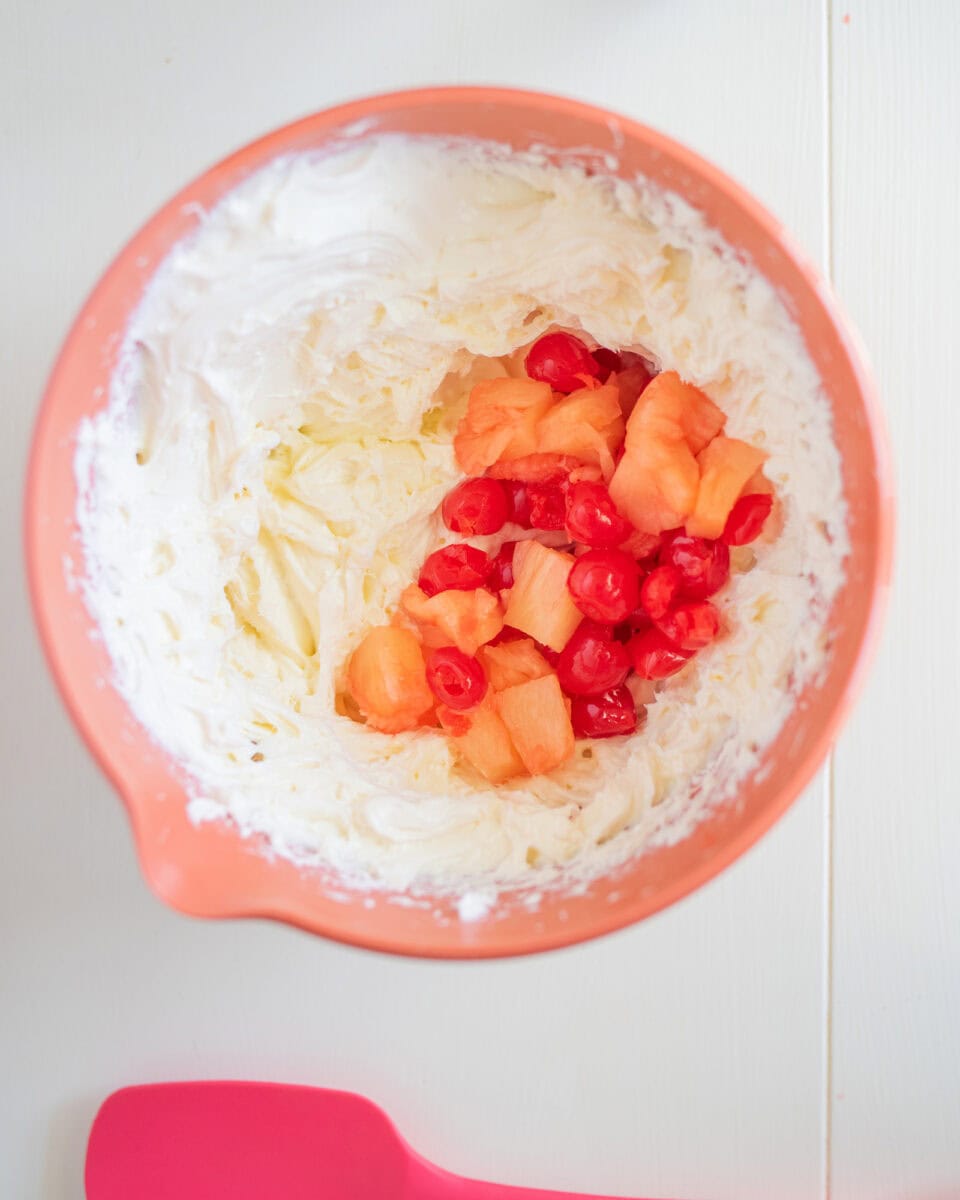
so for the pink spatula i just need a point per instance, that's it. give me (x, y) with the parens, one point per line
(262, 1141)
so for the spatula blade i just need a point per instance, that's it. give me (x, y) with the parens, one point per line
(242, 1141)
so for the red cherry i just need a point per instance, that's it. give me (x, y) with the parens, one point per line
(609, 361)
(475, 506)
(518, 503)
(592, 516)
(561, 360)
(659, 591)
(460, 568)
(501, 567)
(746, 520)
(607, 715)
(617, 362)
(592, 661)
(632, 380)
(548, 509)
(654, 656)
(638, 620)
(691, 626)
(605, 585)
(455, 678)
(704, 565)
(630, 358)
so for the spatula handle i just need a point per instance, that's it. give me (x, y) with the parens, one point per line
(427, 1182)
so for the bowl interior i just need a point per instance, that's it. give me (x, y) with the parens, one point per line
(210, 870)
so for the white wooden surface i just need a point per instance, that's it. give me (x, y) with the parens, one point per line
(896, 930)
(792, 1030)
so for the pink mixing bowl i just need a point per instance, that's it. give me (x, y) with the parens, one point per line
(210, 870)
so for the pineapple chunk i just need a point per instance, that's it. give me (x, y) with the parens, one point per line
(725, 466)
(671, 410)
(586, 425)
(642, 545)
(500, 422)
(758, 485)
(536, 468)
(387, 679)
(655, 485)
(540, 603)
(467, 620)
(513, 662)
(482, 738)
(538, 721)
(656, 482)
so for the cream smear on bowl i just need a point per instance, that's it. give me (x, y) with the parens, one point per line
(265, 480)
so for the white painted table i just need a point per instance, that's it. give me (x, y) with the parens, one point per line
(791, 1031)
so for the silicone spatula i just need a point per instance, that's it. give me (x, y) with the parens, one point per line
(262, 1141)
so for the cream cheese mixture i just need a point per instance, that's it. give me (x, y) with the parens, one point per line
(265, 480)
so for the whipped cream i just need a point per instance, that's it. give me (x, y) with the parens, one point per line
(265, 478)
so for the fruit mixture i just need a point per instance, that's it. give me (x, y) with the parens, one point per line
(632, 496)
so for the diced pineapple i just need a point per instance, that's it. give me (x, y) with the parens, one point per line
(587, 425)
(655, 484)
(586, 473)
(538, 722)
(511, 663)
(702, 420)
(535, 468)
(500, 422)
(656, 481)
(482, 738)
(387, 679)
(725, 466)
(642, 545)
(430, 636)
(467, 620)
(540, 602)
(758, 485)
(671, 410)
(415, 602)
